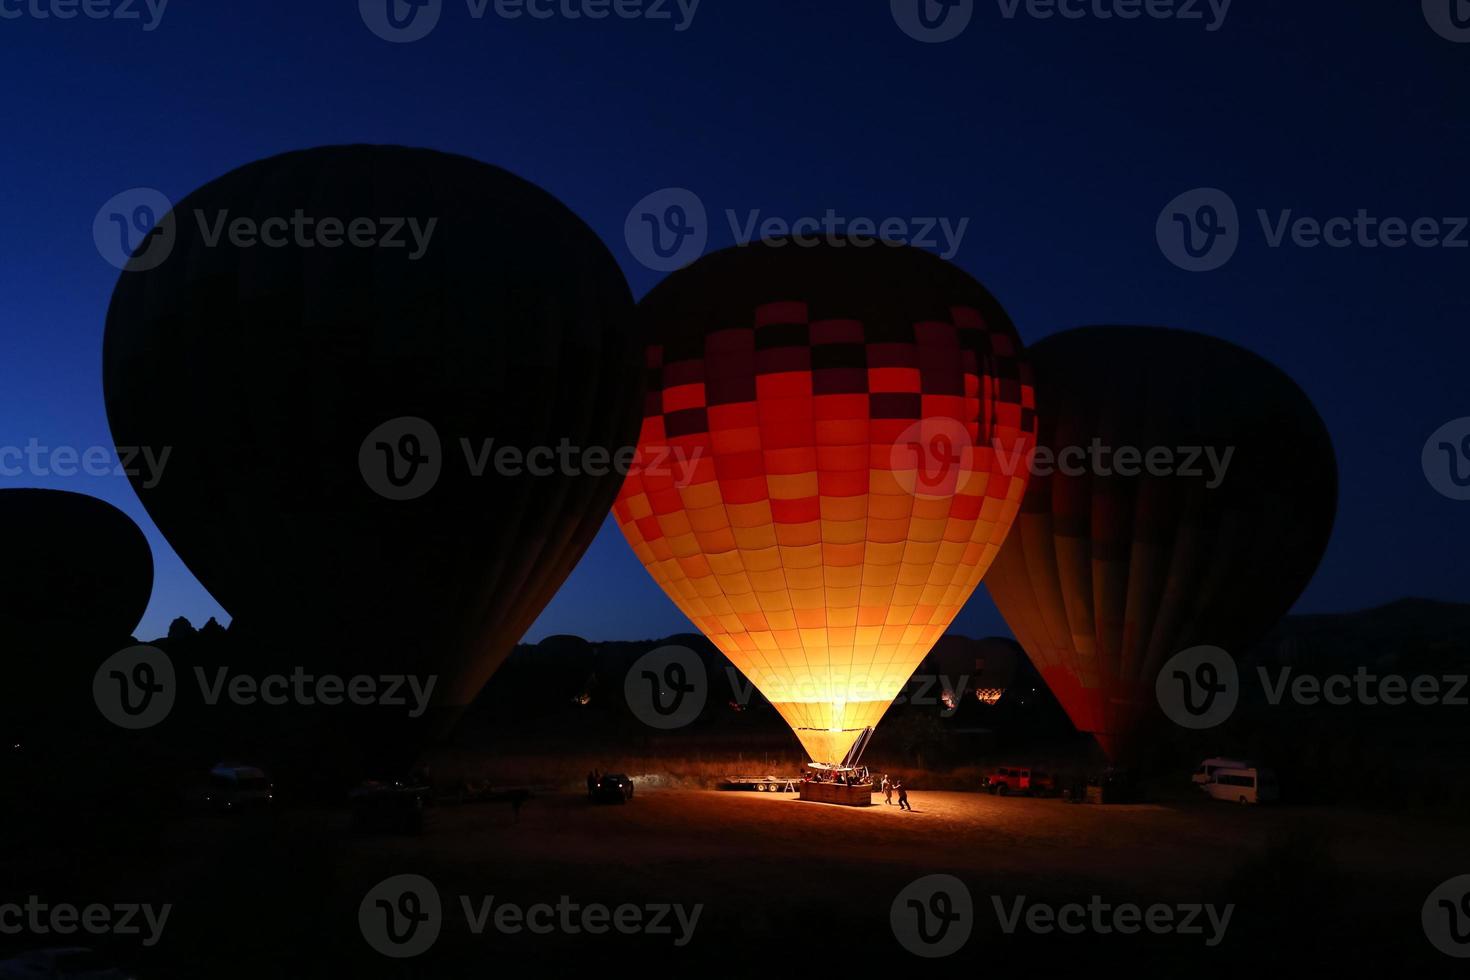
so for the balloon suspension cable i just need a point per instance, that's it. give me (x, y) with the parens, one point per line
(855, 753)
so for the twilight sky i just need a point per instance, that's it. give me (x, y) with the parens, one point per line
(1042, 150)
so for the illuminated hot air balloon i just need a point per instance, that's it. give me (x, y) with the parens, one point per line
(1204, 533)
(984, 668)
(832, 451)
(337, 390)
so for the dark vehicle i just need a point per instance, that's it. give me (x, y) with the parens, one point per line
(393, 808)
(61, 963)
(1005, 780)
(613, 788)
(231, 788)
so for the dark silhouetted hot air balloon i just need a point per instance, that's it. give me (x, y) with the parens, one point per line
(73, 563)
(392, 404)
(76, 578)
(1108, 575)
(822, 475)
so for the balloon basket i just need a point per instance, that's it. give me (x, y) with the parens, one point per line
(837, 793)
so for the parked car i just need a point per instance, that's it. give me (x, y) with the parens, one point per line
(231, 788)
(613, 788)
(1005, 780)
(61, 963)
(1253, 785)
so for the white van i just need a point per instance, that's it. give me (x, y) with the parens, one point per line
(1207, 769)
(1243, 785)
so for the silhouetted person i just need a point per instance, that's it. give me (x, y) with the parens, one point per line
(903, 796)
(591, 784)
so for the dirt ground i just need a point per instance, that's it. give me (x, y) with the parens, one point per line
(776, 880)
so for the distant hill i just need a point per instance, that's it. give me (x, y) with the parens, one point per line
(1409, 635)
(566, 693)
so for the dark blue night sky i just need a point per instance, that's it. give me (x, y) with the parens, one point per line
(1061, 140)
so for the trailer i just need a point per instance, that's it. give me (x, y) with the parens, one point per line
(761, 784)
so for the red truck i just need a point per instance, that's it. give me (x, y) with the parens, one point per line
(1005, 780)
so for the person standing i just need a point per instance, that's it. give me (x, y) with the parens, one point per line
(903, 796)
(887, 790)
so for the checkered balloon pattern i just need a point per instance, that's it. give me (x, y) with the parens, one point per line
(834, 445)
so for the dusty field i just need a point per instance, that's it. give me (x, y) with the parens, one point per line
(774, 876)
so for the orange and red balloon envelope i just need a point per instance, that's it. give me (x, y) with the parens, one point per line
(833, 448)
